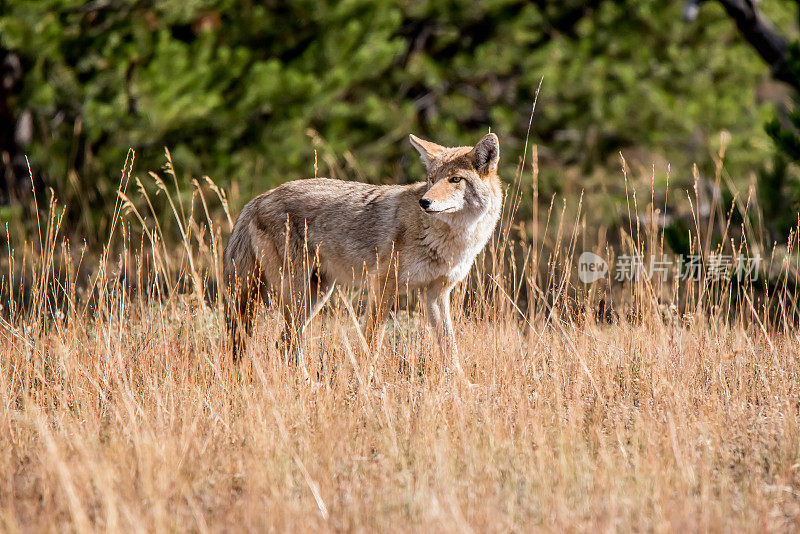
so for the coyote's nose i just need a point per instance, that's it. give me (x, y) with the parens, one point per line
(424, 203)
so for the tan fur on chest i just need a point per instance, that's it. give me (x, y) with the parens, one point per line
(447, 251)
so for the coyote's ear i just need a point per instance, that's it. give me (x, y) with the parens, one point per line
(427, 151)
(486, 154)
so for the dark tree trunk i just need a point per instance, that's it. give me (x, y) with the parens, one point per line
(763, 36)
(16, 130)
(759, 32)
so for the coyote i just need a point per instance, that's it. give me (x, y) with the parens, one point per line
(302, 237)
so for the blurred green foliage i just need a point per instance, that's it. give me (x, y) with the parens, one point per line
(246, 91)
(779, 183)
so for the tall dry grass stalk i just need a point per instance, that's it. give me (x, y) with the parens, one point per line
(645, 405)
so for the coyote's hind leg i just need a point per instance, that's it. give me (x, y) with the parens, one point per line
(382, 294)
(301, 299)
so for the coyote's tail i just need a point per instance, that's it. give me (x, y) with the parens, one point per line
(241, 287)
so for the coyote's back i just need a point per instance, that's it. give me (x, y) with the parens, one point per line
(340, 227)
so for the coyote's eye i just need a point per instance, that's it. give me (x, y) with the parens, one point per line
(455, 179)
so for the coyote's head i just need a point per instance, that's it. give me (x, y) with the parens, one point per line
(461, 180)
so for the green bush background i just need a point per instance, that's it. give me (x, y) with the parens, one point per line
(245, 92)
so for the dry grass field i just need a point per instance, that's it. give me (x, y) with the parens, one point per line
(120, 409)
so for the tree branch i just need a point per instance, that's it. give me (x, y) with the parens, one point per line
(759, 32)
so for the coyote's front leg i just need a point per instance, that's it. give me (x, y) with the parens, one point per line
(437, 311)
